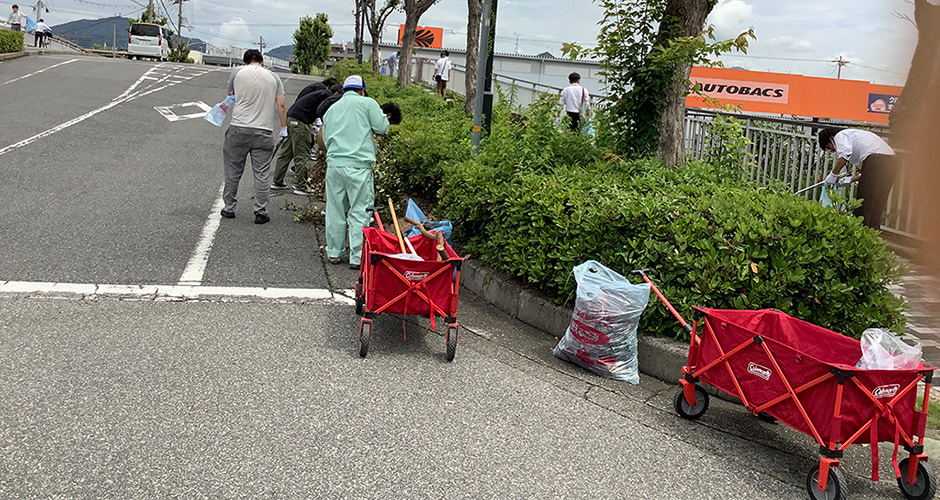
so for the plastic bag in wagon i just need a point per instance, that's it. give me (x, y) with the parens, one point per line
(881, 350)
(602, 334)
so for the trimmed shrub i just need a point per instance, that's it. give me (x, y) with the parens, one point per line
(536, 202)
(11, 41)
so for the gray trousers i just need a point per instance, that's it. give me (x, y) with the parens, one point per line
(240, 143)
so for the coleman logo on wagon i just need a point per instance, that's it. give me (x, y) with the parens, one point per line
(736, 90)
(761, 371)
(415, 275)
(885, 391)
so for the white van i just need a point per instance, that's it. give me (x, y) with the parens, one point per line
(148, 40)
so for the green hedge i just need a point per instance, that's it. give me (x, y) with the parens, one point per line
(537, 202)
(11, 41)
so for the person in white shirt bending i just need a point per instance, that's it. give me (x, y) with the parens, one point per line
(575, 100)
(42, 29)
(876, 161)
(442, 72)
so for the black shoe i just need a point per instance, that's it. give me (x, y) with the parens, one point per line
(262, 219)
(227, 214)
(354, 267)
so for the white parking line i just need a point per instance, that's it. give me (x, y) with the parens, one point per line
(90, 291)
(196, 267)
(37, 72)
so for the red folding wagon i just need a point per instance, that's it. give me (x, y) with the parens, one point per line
(804, 376)
(390, 284)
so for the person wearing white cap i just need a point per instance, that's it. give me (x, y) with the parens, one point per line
(348, 135)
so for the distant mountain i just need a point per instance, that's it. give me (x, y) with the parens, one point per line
(105, 31)
(282, 52)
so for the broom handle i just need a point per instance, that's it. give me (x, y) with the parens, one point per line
(401, 242)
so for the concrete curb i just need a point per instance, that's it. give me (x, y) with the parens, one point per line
(658, 357)
(13, 55)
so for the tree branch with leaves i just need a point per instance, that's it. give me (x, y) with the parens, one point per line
(312, 43)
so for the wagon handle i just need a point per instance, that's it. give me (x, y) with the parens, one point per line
(642, 272)
(378, 220)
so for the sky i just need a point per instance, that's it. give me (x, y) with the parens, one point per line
(796, 36)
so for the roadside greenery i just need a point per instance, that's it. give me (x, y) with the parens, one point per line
(11, 41)
(537, 200)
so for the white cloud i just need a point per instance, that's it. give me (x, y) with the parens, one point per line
(731, 17)
(234, 32)
(791, 45)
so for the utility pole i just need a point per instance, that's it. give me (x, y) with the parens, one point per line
(483, 110)
(114, 41)
(179, 26)
(151, 15)
(841, 62)
(261, 44)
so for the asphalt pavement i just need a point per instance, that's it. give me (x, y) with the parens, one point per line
(257, 397)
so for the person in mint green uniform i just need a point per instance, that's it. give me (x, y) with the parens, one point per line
(349, 129)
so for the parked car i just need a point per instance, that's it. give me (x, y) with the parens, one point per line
(148, 40)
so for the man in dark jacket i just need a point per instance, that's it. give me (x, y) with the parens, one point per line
(300, 117)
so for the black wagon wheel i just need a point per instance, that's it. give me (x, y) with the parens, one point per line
(452, 340)
(835, 484)
(365, 335)
(925, 483)
(360, 299)
(687, 411)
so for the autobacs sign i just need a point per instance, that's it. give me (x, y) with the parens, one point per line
(740, 90)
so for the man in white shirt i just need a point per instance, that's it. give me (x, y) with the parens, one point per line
(259, 102)
(574, 100)
(876, 161)
(16, 19)
(442, 73)
(40, 34)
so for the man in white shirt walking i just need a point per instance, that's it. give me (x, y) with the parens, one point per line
(39, 35)
(876, 161)
(442, 73)
(259, 102)
(16, 19)
(575, 100)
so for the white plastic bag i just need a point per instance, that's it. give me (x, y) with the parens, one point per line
(882, 350)
(602, 334)
(216, 115)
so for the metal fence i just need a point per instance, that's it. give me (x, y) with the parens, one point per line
(786, 151)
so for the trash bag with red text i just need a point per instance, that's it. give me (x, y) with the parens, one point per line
(602, 334)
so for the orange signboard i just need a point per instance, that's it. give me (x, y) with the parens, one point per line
(785, 94)
(425, 36)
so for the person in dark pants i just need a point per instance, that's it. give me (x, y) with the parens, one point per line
(575, 100)
(16, 19)
(300, 117)
(876, 161)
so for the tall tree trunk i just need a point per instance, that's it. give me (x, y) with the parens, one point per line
(682, 18)
(359, 27)
(913, 131)
(474, 20)
(376, 55)
(407, 43)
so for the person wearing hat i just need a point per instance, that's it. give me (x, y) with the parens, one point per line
(348, 135)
